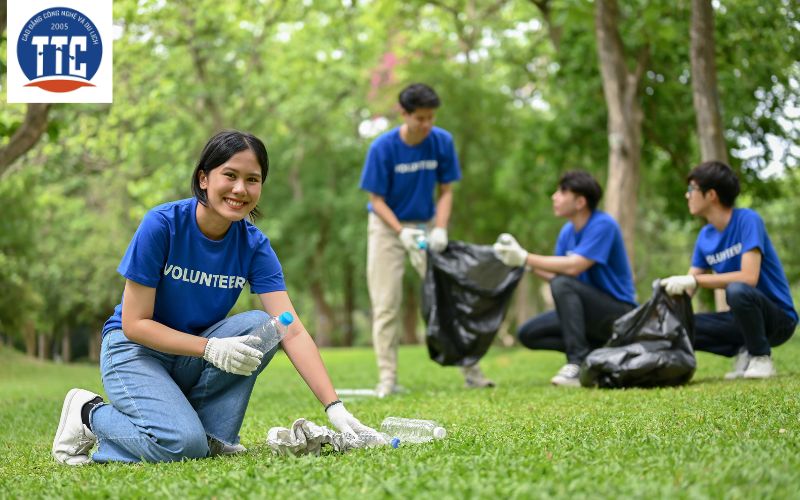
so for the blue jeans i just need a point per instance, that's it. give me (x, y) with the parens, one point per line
(164, 407)
(754, 322)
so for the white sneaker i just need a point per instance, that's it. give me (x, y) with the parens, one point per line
(217, 448)
(760, 367)
(73, 439)
(474, 377)
(740, 363)
(385, 388)
(567, 376)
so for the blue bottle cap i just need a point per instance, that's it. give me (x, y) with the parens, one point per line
(395, 442)
(286, 318)
(422, 244)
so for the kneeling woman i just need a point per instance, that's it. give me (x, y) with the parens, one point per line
(177, 372)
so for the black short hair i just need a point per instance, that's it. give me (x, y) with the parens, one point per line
(219, 149)
(418, 95)
(718, 176)
(583, 184)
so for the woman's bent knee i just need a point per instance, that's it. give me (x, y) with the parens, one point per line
(184, 444)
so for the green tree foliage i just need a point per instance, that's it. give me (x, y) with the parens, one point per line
(521, 93)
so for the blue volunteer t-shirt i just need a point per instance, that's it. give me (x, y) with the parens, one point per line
(197, 279)
(722, 252)
(601, 241)
(405, 176)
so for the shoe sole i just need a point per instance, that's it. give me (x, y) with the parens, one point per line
(559, 383)
(62, 422)
(757, 377)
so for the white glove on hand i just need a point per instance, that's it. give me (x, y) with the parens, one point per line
(346, 423)
(437, 239)
(234, 354)
(409, 238)
(509, 251)
(677, 285)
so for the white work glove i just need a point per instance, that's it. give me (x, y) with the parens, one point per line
(234, 354)
(509, 251)
(346, 423)
(409, 237)
(437, 240)
(677, 285)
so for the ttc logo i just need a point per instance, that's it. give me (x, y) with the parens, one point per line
(59, 50)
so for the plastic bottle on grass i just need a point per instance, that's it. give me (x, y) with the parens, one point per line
(411, 430)
(272, 331)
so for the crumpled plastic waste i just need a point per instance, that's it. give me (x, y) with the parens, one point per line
(307, 438)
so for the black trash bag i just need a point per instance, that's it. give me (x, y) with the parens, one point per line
(464, 299)
(651, 346)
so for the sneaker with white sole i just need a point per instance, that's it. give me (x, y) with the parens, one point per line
(740, 363)
(567, 376)
(217, 448)
(73, 439)
(474, 377)
(385, 388)
(760, 367)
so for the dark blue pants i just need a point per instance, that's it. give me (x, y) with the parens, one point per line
(582, 321)
(754, 322)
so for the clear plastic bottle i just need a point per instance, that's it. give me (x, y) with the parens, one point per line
(272, 331)
(422, 239)
(411, 430)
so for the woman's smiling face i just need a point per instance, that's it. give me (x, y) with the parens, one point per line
(233, 188)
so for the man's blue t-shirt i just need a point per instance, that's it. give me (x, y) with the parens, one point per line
(722, 252)
(601, 241)
(405, 176)
(197, 279)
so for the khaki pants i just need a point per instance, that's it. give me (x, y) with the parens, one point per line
(386, 263)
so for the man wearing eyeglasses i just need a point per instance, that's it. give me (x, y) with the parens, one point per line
(736, 247)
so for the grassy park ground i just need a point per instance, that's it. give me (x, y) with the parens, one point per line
(524, 439)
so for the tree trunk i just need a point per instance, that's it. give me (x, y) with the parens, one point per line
(553, 31)
(625, 115)
(66, 345)
(324, 315)
(704, 83)
(45, 347)
(706, 97)
(349, 305)
(94, 345)
(29, 331)
(410, 311)
(26, 136)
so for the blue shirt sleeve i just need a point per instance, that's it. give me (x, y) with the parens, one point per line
(375, 175)
(753, 232)
(698, 258)
(596, 242)
(146, 255)
(265, 274)
(449, 169)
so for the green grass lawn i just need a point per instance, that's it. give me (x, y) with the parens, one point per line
(523, 439)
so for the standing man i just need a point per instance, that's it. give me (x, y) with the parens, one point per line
(402, 168)
(590, 277)
(735, 245)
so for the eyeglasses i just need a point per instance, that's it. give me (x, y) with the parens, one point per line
(692, 187)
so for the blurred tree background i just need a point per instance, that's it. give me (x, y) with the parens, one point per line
(525, 93)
